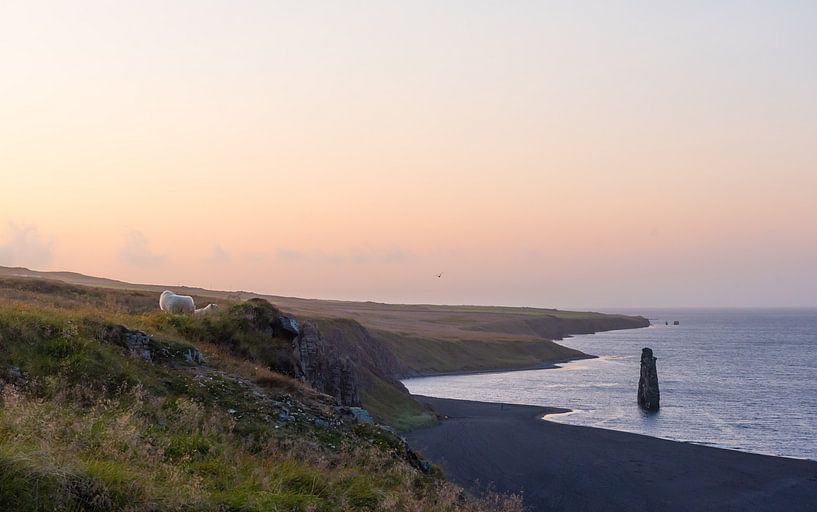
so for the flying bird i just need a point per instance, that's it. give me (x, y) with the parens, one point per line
(440, 274)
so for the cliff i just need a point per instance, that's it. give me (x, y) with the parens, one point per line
(325, 367)
(355, 352)
(260, 332)
(106, 408)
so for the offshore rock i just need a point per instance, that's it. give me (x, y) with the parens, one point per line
(648, 394)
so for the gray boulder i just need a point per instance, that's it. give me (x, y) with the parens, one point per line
(12, 375)
(193, 356)
(136, 342)
(355, 414)
(361, 415)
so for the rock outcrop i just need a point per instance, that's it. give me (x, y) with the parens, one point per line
(354, 414)
(11, 375)
(259, 330)
(193, 356)
(323, 368)
(136, 342)
(648, 394)
(141, 345)
(288, 326)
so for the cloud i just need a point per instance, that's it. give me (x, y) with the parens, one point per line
(253, 257)
(218, 256)
(290, 255)
(24, 246)
(355, 256)
(137, 252)
(395, 256)
(363, 256)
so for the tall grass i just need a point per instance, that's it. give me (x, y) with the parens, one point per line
(94, 429)
(142, 453)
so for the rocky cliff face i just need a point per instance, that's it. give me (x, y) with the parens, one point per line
(310, 357)
(374, 362)
(648, 393)
(322, 366)
(363, 346)
(257, 330)
(352, 363)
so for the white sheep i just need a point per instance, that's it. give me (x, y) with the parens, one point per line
(206, 310)
(173, 303)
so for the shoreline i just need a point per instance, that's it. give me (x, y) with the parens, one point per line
(544, 365)
(562, 411)
(544, 417)
(565, 411)
(557, 466)
(547, 365)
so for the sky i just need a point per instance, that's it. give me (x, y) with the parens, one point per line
(556, 154)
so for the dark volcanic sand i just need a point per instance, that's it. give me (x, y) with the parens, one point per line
(566, 467)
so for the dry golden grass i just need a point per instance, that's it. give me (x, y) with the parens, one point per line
(223, 358)
(94, 429)
(111, 456)
(423, 321)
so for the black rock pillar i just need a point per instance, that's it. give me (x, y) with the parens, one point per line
(648, 394)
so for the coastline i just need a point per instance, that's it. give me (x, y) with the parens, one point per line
(557, 466)
(546, 365)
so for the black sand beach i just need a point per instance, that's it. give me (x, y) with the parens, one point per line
(566, 467)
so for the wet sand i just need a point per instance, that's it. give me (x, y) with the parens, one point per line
(573, 468)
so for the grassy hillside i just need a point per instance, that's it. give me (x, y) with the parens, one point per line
(426, 356)
(428, 339)
(89, 423)
(385, 342)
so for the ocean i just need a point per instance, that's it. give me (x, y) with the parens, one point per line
(744, 379)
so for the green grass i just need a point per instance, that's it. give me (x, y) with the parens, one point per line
(410, 339)
(389, 405)
(435, 356)
(94, 428)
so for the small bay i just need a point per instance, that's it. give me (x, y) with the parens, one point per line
(744, 379)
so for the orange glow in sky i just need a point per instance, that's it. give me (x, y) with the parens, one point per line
(547, 155)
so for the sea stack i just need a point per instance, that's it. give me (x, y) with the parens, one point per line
(648, 394)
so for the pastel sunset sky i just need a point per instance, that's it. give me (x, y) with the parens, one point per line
(560, 154)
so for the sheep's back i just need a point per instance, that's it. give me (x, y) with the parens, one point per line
(173, 303)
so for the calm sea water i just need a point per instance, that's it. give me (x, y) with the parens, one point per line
(742, 379)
